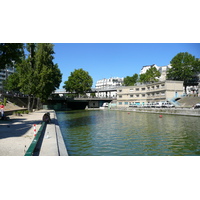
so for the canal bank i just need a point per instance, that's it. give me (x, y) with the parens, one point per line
(169, 111)
(17, 134)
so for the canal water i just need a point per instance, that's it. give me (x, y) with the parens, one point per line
(121, 133)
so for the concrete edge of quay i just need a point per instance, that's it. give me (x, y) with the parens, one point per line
(169, 111)
(62, 150)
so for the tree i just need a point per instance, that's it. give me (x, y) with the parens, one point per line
(9, 53)
(130, 80)
(78, 82)
(26, 73)
(12, 82)
(184, 68)
(37, 75)
(151, 75)
(47, 74)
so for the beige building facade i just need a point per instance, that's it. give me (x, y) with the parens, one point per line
(149, 93)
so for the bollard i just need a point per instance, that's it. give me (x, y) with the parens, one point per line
(34, 130)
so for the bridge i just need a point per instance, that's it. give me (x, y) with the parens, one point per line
(93, 90)
(62, 100)
(65, 103)
(104, 92)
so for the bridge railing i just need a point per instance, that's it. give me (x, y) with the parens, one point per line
(81, 98)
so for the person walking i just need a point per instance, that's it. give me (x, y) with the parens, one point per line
(2, 110)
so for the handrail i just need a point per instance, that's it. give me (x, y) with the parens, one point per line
(32, 146)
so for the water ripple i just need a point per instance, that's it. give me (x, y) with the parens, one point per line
(112, 133)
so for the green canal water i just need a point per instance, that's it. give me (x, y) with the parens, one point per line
(119, 133)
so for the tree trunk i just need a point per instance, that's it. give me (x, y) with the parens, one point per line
(29, 103)
(33, 103)
(185, 89)
(38, 103)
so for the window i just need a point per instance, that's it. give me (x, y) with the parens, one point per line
(131, 95)
(120, 103)
(143, 95)
(137, 95)
(137, 89)
(125, 103)
(143, 89)
(120, 90)
(120, 96)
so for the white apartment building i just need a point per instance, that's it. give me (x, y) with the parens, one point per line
(107, 87)
(161, 69)
(149, 93)
(109, 83)
(146, 67)
(4, 73)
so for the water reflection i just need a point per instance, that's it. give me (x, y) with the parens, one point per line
(124, 133)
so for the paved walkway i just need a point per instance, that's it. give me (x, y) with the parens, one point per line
(16, 134)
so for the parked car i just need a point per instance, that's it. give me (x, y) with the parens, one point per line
(158, 104)
(197, 106)
(167, 105)
(133, 105)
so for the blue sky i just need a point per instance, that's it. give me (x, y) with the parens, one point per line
(105, 60)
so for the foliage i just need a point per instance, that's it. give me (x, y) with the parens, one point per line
(130, 80)
(184, 67)
(78, 82)
(9, 53)
(12, 82)
(36, 75)
(151, 75)
(47, 74)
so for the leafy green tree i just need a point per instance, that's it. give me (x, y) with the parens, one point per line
(12, 82)
(47, 74)
(151, 75)
(130, 80)
(78, 82)
(37, 75)
(9, 53)
(26, 73)
(184, 67)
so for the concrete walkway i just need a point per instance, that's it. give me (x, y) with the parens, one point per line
(53, 144)
(16, 135)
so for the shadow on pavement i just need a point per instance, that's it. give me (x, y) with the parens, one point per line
(16, 127)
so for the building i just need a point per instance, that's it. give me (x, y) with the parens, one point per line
(4, 73)
(146, 67)
(109, 83)
(108, 87)
(161, 69)
(149, 93)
